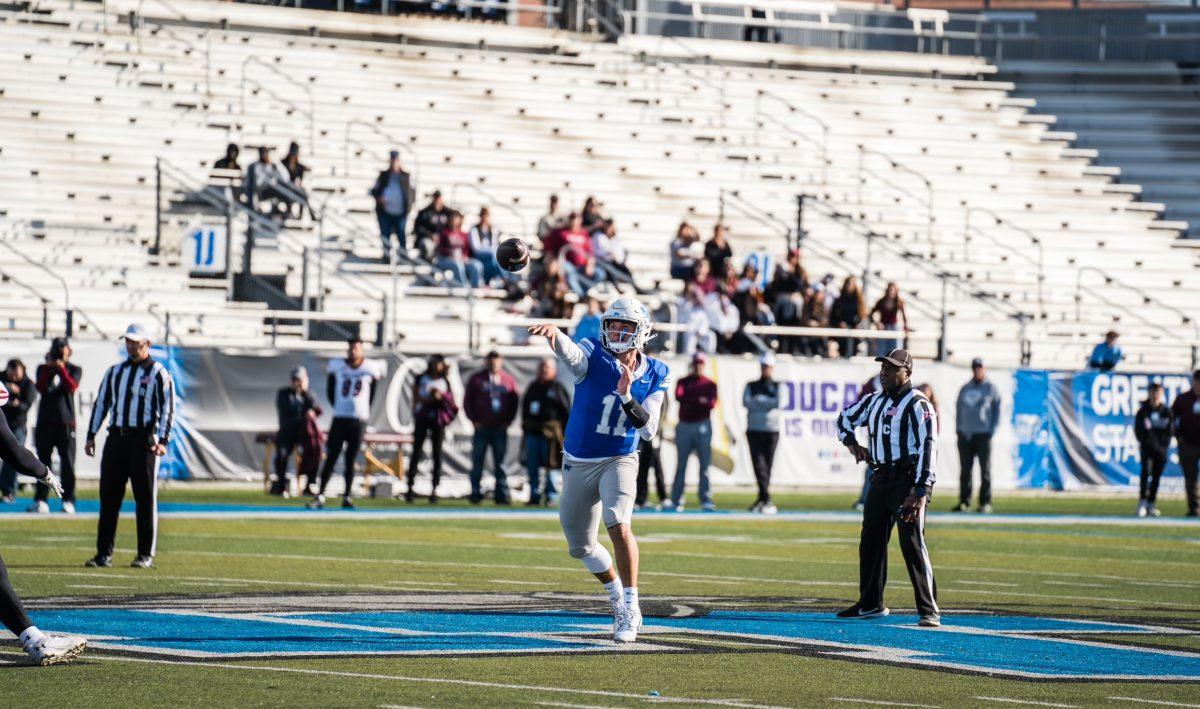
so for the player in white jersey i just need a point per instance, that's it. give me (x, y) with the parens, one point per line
(350, 388)
(618, 399)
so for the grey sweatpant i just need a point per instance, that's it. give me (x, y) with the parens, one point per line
(692, 437)
(603, 489)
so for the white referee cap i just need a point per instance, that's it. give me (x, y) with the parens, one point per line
(137, 333)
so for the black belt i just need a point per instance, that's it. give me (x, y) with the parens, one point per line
(906, 468)
(129, 431)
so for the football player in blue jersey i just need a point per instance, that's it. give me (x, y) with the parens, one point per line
(619, 393)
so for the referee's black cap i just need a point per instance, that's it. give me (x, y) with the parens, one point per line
(900, 358)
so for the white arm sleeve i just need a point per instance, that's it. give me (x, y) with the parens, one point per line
(653, 406)
(573, 355)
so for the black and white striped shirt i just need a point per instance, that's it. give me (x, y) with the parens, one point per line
(139, 395)
(900, 426)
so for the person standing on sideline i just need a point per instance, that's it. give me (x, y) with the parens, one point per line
(433, 410)
(1153, 429)
(697, 397)
(57, 380)
(350, 389)
(294, 404)
(393, 195)
(977, 414)
(1185, 417)
(902, 452)
(761, 399)
(42, 648)
(140, 395)
(545, 408)
(490, 402)
(20, 396)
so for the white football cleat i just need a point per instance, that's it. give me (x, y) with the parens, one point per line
(628, 626)
(1142, 508)
(40, 507)
(68, 507)
(769, 509)
(54, 649)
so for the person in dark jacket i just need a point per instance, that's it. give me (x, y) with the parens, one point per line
(294, 404)
(761, 399)
(490, 402)
(545, 407)
(57, 380)
(434, 409)
(431, 221)
(1153, 428)
(21, 396)
(394, 196)
(230, 161)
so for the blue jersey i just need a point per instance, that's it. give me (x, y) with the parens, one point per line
(598, 426)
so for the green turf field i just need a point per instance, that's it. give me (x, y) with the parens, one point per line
(1128, 573)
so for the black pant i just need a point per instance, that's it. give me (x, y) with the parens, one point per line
(1189, 460)
(970, 447)
(648, 458)
(127, 459)
(1153, 463)
(47, 439)
(347, 432)
(435, 433)
(762, 457)
(881, 513)
(12, 612)
(495, 438)
(285, 446)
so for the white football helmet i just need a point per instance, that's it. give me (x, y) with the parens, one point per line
(629, 310)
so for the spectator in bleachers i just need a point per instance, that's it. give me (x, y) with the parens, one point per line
(394, 196)
(789, 311)
(490, 402)
(717, 250)
(889, 314)
(431, 221)
(573, 246)
(265, 181)
(454, 254)
(697, 397)
(551, 222)
(57, 380)
(434, 409)
(484, 240)
(764, 268)
(550, 291)
(759, 33)
(230, 161)
(790, 277)
(610, 252)
(591, 216)
(296, 171)
(685, 251)
(1108, 354)
(752, 308)
(815, 314)
(702, 279)
(847, 313)
(723, 320)
(727, 278)
(698, 335)
(545, 407)
(21, 395)
(589, 324)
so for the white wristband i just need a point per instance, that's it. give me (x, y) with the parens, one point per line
(626, 398)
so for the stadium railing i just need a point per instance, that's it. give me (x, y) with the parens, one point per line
(12, 231)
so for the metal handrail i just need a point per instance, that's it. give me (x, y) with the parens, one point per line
(762, 94)
(864, 151)
(66, 288)
(1033, 239)
(396, 143)
(312, 103)
(1146, 298)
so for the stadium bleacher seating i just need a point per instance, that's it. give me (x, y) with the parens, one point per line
(503, 116)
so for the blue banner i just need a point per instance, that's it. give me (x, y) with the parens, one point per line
(1075, 429)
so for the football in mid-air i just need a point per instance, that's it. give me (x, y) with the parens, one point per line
(512, 254)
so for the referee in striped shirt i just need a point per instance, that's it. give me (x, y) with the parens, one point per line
(138, 397)
(901, 453)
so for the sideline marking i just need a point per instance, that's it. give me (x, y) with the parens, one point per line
(856, 700)
(1153, 701)
(1010, 700)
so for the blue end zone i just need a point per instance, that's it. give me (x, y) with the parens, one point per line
(1014, 646)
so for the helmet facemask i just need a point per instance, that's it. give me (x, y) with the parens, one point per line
(618, 341)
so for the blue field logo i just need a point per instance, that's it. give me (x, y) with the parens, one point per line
(1011, 646)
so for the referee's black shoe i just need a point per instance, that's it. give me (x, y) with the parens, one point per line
(99, 562)
(857, 611)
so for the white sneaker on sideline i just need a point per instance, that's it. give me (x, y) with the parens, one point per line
(40, 507)
(68, 507)
(757, 506)
(769, 509)
(53, 649)
(668, 505)
(708, 507)
(1142, 508)
(1154, 511)
(627, 628)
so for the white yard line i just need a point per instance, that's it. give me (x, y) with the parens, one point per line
(575, 706)
(856, 700)
(1010, 700)
(1159, 702)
